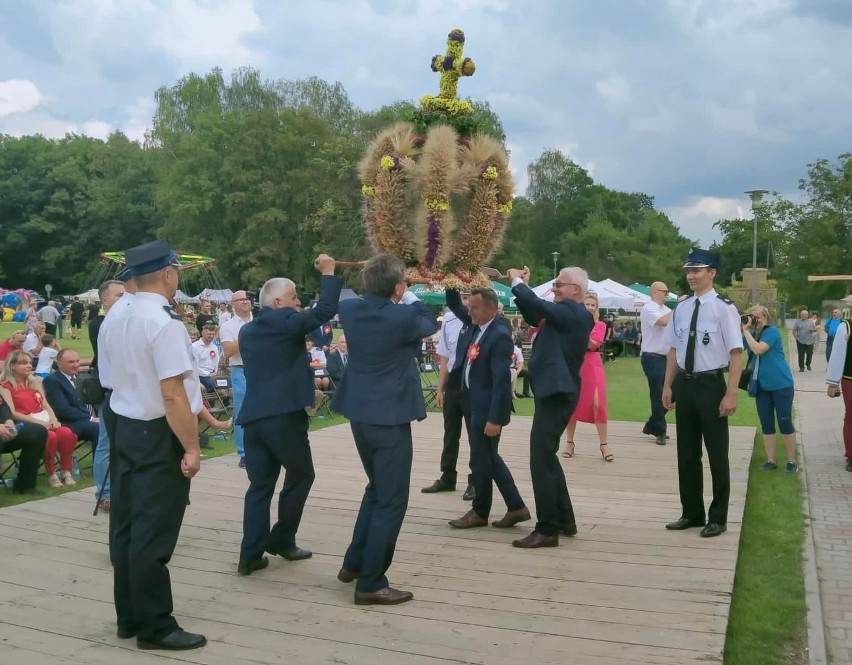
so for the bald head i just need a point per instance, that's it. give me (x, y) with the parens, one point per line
(659, 292)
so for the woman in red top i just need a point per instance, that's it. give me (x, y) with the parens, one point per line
(24, 394)
(591, 406)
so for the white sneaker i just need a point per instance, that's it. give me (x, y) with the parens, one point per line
(53, 481)
(68, 479)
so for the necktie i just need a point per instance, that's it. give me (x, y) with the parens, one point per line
(345, 358)
(690, 344)
(474, 333)
(74, 380)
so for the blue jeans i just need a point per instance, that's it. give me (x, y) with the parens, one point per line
(772, 403)
(100, 465)
(654, 366)
(238, 390)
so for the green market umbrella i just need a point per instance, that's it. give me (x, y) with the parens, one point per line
(422, 291)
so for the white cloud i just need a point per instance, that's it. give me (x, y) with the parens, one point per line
(17, 96)
(614, 90)
(139, 117)
(696, 218)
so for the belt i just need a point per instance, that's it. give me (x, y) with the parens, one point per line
(700, 375)
(655, 355)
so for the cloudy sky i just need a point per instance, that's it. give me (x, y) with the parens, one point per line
(691, 101)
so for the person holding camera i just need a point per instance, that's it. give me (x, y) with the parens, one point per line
(774, 397)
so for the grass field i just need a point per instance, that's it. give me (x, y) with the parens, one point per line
(767, 621)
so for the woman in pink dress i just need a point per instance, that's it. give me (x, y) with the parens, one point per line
(591, 407)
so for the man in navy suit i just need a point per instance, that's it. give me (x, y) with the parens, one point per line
(381, 394)
(557, 355)
(60, 388)
(481, 372)
(323, 336)
(337, 361)
(279, 386)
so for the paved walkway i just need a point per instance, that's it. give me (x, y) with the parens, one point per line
(828, 504)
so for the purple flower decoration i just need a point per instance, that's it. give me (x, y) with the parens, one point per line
(456, 35)
(434, 63)
(449, 61)
(432, 239)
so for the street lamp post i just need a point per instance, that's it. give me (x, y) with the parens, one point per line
(756, 198)
(555, 258)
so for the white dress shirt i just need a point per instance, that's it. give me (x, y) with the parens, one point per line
(653, 336)
(718, 324)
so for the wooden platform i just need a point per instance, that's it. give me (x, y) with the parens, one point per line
(624, 590)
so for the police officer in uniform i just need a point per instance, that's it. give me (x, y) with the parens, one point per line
(705, 337)
(156, 398)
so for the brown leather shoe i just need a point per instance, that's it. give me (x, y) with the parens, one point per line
(386, 596)
(512, 518)
(468, 521)
(347, 576)
(536, 539)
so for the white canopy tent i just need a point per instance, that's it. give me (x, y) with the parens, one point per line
(607, 298)
(639, 298)
(89, 297)
(183, 299)
(215, 296)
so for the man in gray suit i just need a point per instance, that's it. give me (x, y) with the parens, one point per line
(380, 394)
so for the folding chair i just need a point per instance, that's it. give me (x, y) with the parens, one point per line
(220, 403)
(429, 383)
(8, 471)
(323, 409)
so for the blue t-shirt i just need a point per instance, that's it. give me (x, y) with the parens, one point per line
(774, 372)
(831, 327)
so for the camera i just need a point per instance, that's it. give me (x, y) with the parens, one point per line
(747, 319)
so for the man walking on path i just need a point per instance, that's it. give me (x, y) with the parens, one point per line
(805, 331)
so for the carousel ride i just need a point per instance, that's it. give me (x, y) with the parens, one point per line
(196, 272)
(437, 193)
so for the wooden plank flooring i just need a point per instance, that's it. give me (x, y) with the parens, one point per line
(624, 590)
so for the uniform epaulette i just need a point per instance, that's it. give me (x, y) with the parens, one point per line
(172, 313)
(725, 300)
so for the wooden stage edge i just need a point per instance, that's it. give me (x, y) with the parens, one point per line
(624, 590)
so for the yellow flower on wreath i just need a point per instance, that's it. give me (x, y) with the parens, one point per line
(387, 163)
(368, 190)
(436, 205)
(505, 208)
(490, 173)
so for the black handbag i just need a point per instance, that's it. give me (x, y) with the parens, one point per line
(746, 374)
(89, 389)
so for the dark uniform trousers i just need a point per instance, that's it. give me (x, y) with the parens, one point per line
(654, 366)
(453, 418)
(386, 452)
(552, 502)
(272, 443)
(697, 417)
(487, 467)
(148, 499)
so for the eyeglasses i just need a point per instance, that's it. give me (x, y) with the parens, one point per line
(241, 300)
(559, 285)
(660, 290)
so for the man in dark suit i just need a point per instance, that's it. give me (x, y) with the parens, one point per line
(337, 361)
(481, 373)
(279, 386)
(557, 355)
(60, 388)
(381, 395)
(323, 336)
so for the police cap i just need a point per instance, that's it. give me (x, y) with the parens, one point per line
(150, 257)
(701, 258)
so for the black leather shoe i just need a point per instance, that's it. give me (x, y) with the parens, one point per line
(661, 439)
(386, 596)
(469, 494)
(439, 485)
(849, 466)
(292, 553)
(177, 640)
(125, 633)
(248, 567)
(684, 523)
(713, 529)
(347, 576)
(569, 528)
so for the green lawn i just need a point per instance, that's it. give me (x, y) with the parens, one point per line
(767, 620)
